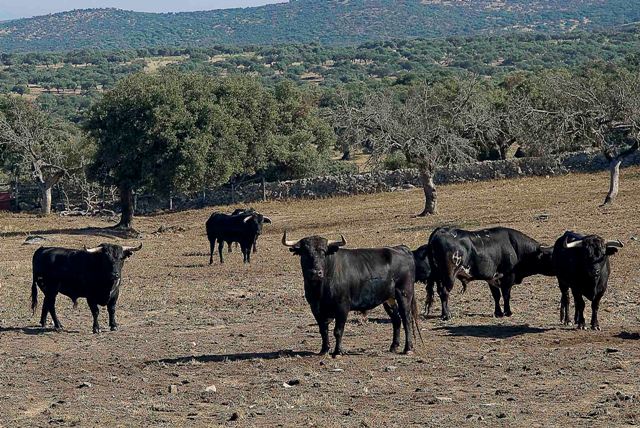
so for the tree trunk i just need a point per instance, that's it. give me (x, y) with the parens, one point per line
(45, 198)
(614, 170)
(430, 194)
(614, 181)
(126, 204)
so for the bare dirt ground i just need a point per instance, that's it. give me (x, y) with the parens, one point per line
(248, 330)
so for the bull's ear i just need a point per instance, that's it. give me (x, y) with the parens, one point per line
(332, 249)
(612, 250)
(295, 250)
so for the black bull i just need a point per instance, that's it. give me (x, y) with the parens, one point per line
(94, 274)
(243, 228)
(337, 281)
(582, 266)
(501, 256)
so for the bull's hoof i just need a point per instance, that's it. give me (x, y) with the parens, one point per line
(595, 327)
(507, 313)
(407, 352)
(581, 326)
(567, 323)
(337, 354)
(324, 351)
(498, 314)
(114, 328)
(394, 348)
(96, 330)
(59, 328)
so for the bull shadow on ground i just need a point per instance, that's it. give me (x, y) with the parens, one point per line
(220, 358)
(106, 232)
(496, 331)
(33, 330)
(625, 335)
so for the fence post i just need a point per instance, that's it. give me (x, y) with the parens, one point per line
(170, 203)
(264, 190)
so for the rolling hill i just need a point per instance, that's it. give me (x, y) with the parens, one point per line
(305, 21)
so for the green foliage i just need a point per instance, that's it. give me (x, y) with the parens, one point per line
(173, 132)
(307, 21)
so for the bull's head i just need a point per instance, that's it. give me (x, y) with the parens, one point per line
(595, 251)
(112, 258)
(423, 267)
(255, 221)
(313, 252)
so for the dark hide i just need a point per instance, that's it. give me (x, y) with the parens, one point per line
(585, 271)
(92, 274)
(241, 228)
(501, 256)
(337, 281)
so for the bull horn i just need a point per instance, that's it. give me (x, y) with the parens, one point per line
(546, 247)
(338, 243)
(266, 219)
(247, 218)
(287, 243)
(574, 244)
(615, 244)
(92, 250)
(134, 249)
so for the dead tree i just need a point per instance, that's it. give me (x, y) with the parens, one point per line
(39, 146)
(616, 156)
(434, 126)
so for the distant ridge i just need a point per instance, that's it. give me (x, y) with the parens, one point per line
(309, 21)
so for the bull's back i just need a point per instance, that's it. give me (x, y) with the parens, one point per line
(367, 277)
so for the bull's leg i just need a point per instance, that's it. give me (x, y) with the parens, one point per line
(595, 305)
(495, 292)
(230, 244)
(444, 289)
(565, 300)
(45, 311)
(392, 311)
(506, 297)
(212, 246)
(220, 248)
(255, 241)
(111, 308)
(246, 252)
(404, 308)
(51, 303)
(338, 330)
(95, 311)
(579, 315)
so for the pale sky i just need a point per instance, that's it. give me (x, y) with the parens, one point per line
(12, 9)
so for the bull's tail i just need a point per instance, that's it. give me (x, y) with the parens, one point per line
(416, 324)
(429, 303)
(34, 295)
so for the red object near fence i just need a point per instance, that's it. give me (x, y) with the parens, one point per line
(5, 201)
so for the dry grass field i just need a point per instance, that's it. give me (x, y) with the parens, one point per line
(186, 326)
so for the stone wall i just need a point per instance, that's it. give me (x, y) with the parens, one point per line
(387, 181)
(345, 185)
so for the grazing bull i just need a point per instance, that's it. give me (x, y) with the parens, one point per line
(582, 265)
(241, 228)
(337, 281)
(94, 274)
(501, 256)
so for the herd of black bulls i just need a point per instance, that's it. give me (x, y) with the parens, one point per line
(338, 280)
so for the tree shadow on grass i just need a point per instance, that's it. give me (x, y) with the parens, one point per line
(287, 353)
(106, 232)
(628, 336)
(33, 331)
(491, 331)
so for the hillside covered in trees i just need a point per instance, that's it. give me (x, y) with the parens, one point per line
(309, 21)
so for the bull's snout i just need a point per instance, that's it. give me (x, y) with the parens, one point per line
(317, 274)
